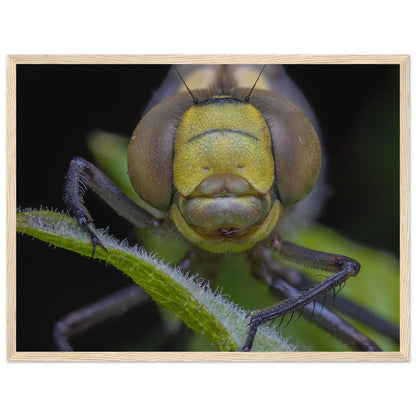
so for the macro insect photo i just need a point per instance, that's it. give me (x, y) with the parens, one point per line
(278, 186)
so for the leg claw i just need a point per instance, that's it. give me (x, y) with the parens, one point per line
(95, 241)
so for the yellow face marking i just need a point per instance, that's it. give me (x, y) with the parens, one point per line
(230, 137)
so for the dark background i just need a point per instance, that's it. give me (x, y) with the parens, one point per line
(59, 105)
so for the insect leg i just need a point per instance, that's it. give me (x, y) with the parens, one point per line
(111, 306)
(344, 267)
(81, 174)
(91, 315)
(281, 282)
(327, 319)
(367, 317)
(357, 311)
(341, 304)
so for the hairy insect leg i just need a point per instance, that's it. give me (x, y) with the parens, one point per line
(82, 174)
(329, 320)
(111, 306)
(300, 281)
(286, 282)
(320, 314)
(344, 267)
(91, 315)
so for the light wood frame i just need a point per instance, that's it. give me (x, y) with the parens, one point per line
(402, 355)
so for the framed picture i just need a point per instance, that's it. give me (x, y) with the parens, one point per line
(268, 196)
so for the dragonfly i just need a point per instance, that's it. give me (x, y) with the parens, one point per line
(235, 165)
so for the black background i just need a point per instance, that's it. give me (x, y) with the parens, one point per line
(59, 105)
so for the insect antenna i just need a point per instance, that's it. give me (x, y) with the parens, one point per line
(252, 88)
(194, 99)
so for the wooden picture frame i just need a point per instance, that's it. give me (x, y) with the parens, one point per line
(77, 61)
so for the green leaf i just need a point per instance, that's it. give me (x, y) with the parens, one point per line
(189, 297)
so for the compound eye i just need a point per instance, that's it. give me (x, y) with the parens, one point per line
(150, 155)
(296, 147)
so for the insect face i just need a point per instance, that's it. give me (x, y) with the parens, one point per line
(224, 167)
(223, 171)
